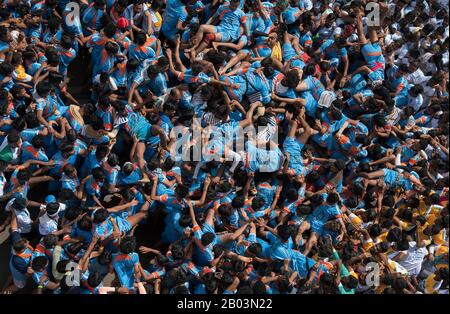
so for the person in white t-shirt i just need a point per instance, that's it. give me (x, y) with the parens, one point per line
(19, 207)
(48, 220)
(413, 258)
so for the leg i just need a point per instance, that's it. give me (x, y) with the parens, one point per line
(210, 37)
(311, 242)
(373, 175)
(233, 61)
(303, 227)
(136, 218)
(204, 28)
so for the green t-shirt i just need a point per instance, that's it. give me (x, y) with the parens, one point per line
(344, 273)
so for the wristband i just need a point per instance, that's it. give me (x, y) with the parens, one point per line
(40, 287)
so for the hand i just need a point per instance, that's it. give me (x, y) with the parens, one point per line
(144, 250)
(116, 235)
(208, 180)
(302, 112)
(67, 229)
(177, 39)
(317, 123)
(275, 97)
(95, 237)
(308, 155)
(216, 180)
(260, 222)
(256, 104)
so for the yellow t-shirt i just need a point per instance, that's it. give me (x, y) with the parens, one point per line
(421, 235)
(368, 244)
(433, 213)
(382, 237)
(431, 285)
(277, 52)
(440, 238)
(404, 225)
(440, 262)
(20, 73)
(355, 220)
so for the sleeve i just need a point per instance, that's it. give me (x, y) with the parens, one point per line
(135, 258)
(139, 78)
(15, 236)
(181, 76)
(271, 237)
(204, 78)
(251, 238)
(164, 198)
(183, 14)
(337, 212)
(242, 18)
(126, 45)
(40, 105)
(159, 273)
(265, 95)
(36, 278)
(113, 177)
(19, 264)
(197, 232)
(93, 40)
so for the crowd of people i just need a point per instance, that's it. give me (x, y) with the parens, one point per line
(340, 185)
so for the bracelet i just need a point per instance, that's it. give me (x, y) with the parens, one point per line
(40, 287)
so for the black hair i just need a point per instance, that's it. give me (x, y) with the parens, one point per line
(238, 201)
(207, 238)
(94, 279)
(39, 263)
(332, 198)
(98, 173)
(100, 215)
(128, 244)
(255, 249)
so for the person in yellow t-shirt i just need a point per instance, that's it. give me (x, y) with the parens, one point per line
(440, 257)
(154, 8)
(436, 281)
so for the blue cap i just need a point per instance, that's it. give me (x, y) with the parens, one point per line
(50, 199)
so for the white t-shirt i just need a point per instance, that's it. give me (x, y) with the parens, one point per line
(415, 102)
(308, 5)
(47, 224)
(2, 184)
(23, 217)
(414, 258)
(134, 18)
(417, 77)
